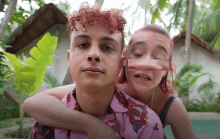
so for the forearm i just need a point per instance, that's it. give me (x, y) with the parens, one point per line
(48, 110)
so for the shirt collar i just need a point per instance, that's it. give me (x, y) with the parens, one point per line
(119, 102)
(77, 107)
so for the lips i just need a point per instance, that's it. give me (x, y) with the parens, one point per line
(93, 69)
(143, 76)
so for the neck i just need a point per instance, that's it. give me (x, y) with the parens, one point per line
(94, 100)
(144, 97)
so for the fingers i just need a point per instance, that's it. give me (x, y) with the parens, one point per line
(144, 64)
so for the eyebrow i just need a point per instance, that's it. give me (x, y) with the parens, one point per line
(162, 48)
(109, 39)
(158, 47)
(83, 36)
(140, 42)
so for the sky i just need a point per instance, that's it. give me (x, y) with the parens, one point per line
(108, 4)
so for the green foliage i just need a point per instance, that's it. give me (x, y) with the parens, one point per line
(157, 9)
(217, 43)
(25, 134)
(8, 109)
(51, 80)
(207, 102)
(28, 73)
(187, 77)
(64, 6)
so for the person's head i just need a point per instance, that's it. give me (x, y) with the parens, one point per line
(96, 41)
(150, 48)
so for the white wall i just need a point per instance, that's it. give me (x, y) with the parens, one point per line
(59, 65)
(198, 55)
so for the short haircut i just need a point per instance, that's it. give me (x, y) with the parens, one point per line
(87, 16)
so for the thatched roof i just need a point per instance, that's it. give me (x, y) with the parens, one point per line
(37, 24)
(205, 45)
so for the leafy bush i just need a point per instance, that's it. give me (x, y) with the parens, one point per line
(187, 77)
(28, 74)
(208, 100)
(8, 109)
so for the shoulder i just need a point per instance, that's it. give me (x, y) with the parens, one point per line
(58, 92)
(176, 112)
(179, 120)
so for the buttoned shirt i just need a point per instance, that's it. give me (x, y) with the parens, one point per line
(130, 118)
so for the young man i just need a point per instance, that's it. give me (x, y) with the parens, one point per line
(94, 57)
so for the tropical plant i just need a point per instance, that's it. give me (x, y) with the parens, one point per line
(100, 1)
(187, 77)
(148, 8)
(51, 80)
(206, 19)
(28, 75)
(209, 99)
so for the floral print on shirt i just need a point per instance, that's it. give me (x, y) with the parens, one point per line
(137, 114)
(134, 120)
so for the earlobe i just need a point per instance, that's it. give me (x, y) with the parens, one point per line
(68, 56)
(164, 74)
(124, 53)
(122, 62)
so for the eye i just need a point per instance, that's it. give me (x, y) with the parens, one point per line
(158, 56)
(83, 45)
(107, 48)
(138, 54)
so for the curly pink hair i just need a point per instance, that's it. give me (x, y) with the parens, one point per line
(87, 16)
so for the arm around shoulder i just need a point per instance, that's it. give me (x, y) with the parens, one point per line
(47, 109)
(179, 121)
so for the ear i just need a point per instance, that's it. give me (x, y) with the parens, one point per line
(68, 57)
(164, 74)
(124, 53)
(122, 62)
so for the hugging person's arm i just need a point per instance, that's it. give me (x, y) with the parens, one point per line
(47, 109)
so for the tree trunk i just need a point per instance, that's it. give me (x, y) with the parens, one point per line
(188, 33)
(11, 6)
(145, 17)
(1, 6)
(188, 38)
(99, 1)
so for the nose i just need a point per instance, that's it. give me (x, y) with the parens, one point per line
(94, 54)
(147, 64)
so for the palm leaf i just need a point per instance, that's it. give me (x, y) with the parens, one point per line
(189, 68)
(161, 4)
(206, 85)
(43, 57)
(51, 80)
(217, 43)
(30, 74)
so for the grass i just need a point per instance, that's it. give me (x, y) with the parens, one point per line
(25, 134)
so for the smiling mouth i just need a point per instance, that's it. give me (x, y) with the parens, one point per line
(143, 77)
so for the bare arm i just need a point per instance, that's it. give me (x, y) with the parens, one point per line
(178, 119)
(47, 109)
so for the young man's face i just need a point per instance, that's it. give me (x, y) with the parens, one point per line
(94, 56)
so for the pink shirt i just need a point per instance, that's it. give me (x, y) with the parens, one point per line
(129, 117)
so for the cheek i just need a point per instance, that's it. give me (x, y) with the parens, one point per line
(158, 75)
(130, 75)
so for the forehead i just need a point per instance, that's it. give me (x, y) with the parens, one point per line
(95, 32)
(147, 36)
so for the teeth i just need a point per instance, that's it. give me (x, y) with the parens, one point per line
(143, 77)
